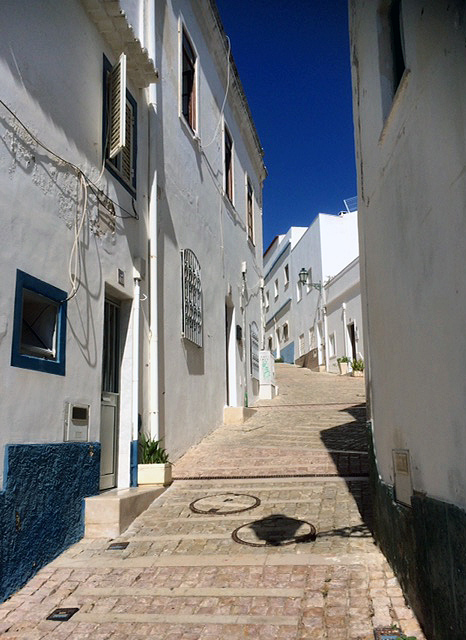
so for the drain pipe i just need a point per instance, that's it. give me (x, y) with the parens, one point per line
(154, 427)
(135, 382)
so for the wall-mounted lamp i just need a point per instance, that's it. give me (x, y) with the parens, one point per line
(303, 279)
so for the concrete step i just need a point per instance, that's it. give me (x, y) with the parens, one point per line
(111, 512)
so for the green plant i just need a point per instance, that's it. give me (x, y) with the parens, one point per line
(343, 359)
(358, 365)
(150, 451)
(279, 360)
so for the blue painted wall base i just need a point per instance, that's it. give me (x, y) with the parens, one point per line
(42, 505)
(287, 353)
(133, 464)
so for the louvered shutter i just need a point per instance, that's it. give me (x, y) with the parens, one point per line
(127, 151)
(117, 109)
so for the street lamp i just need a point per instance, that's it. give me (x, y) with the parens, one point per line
(303, 279)
(303, 276)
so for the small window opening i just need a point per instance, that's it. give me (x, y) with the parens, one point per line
(228, 166)
(188, 83)
(250, 212)
(38, 326)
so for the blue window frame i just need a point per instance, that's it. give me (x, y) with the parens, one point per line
(123, 165)
(39, 330)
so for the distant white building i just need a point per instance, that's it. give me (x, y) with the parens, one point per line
(295, 313)
(279, 272)
(344, 316)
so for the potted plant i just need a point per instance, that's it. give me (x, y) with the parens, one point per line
(358, 368)
(154, 466)
(343, 365)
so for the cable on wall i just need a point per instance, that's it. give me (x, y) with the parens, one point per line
(94, 188)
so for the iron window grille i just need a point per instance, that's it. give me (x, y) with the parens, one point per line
(191, 297)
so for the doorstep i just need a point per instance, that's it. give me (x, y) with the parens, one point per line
(110, 513)
(237, 415)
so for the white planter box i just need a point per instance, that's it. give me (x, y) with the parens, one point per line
(343, 367)
(155, 473)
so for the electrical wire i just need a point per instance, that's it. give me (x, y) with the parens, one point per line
(94, 188)
(74, 271)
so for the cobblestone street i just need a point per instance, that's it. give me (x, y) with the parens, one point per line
(291, 486)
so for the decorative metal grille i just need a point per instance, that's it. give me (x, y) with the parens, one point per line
(254, 346)
(192, 297)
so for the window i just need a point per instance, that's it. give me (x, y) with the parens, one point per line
(301, 344)
(119, 125)
(286, 275)
(275, 288)
(267, 300)
(191, 297)
(285, 332)
(299, 291)
(250, 211)
(228, 151)
(312, 344)
(39, 331)
(392, 60)
(188, 82)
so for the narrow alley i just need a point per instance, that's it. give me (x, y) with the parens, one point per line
(264, 533)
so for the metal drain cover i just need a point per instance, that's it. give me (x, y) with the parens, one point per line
(222, 504)
(276, 530)
(62, 615)
(117, 546)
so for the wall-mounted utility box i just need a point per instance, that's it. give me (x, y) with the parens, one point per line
(76, 422)
(402, 469)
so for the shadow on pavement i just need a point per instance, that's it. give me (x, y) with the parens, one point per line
(348, 445)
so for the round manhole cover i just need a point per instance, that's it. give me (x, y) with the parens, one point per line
(222, 504)
(274, 531)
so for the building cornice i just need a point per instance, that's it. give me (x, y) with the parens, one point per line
(113, 26)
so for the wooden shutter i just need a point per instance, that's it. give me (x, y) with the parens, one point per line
(117, 107)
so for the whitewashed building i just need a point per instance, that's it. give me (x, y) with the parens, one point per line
(295, 320)
(279, 269)
(209, 178)
(344, 316)
(408, 67)
(131, 179)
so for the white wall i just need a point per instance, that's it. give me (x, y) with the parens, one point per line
(343, 302)
(194, 213)
(412, 230)
(57, 93)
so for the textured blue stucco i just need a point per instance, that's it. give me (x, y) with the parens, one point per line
(287, 353)
(133, 474)
(42, 505)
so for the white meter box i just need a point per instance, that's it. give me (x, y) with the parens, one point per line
(76, 422)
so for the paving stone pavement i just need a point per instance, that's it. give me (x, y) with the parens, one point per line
(291, 485)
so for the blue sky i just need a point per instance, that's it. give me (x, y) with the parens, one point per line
(294, 62)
